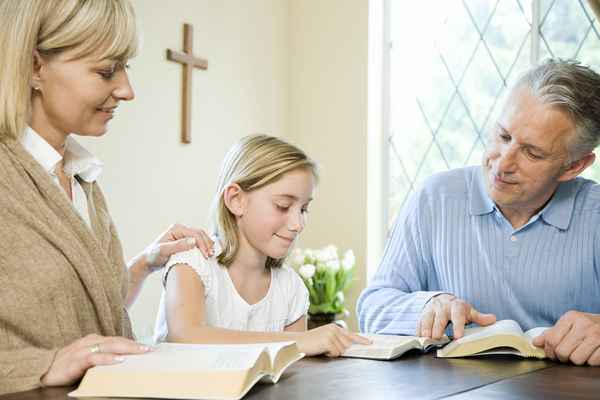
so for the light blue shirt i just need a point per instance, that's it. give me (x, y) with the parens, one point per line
(451, 238)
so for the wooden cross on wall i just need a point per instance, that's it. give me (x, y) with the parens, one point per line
(189, 63)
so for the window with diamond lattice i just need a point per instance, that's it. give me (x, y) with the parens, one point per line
(449, 65)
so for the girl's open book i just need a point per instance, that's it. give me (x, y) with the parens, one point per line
(388, 347)
(503, 337)
(189, 371)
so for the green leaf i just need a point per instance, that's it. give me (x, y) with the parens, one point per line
(330, 287)
(312, 294)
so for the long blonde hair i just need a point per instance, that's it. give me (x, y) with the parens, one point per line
(252, 163)
(105, 28)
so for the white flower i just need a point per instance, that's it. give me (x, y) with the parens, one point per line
(310, 254)
(321, 256)
(297, 257)
(333, 265)
(340, 297)
(307, 271)
(349, 260)
(326, 254)
(331, 251)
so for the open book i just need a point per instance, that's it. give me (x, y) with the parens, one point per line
(387, 347)
(503, 337)
(190, 371)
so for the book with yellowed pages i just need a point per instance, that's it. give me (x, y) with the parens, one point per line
(190, 371)
(388, 347)
(503, 337)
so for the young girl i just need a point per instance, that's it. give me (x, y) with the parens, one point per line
(244, 294)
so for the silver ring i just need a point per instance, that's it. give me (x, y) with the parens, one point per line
(95, 348)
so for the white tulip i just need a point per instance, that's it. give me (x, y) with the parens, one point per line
(331, 251)
(307, 271)
(349, 260)
(322, 256)
(310, 254)
(297, 257)
(333, 265)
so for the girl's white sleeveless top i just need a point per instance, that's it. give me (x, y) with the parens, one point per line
(285, 302)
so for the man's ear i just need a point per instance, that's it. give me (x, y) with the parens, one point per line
(235, 199)
(577, 167)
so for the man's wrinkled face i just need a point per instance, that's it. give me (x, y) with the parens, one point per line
(527, 152)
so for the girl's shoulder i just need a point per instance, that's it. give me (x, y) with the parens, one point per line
(206, 268)
(193, 257)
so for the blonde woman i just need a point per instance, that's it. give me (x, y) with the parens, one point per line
(64, 284)
(244, 294)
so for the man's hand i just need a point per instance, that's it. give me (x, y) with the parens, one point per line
(445, 308)
(575, 337)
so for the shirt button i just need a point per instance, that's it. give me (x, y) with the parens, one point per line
(513, 238)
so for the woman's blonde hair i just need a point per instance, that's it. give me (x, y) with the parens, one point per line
(252, 163)
(103, 28)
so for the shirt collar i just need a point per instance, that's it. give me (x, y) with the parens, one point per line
(559, 209)
(479, 200)
(557, 212)
(78, 161)
(41, 150)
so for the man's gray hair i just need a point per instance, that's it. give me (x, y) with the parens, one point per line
(575, 89)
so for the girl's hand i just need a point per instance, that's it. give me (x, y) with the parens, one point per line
(72, 361)
(330, 340)
(177, 238)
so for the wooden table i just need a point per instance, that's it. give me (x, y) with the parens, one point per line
(414, 376)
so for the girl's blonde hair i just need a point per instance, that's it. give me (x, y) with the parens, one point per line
(254, 162)
(104, 28)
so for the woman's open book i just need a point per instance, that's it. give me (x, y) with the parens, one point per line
(503, 337)
(387, 347)
(188, 371)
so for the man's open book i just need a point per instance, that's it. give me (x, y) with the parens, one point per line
(503, 337)
(188, 371)
(387, 347)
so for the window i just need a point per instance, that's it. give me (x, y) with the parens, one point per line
(449, 64)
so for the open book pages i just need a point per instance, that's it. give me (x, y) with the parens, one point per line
(387, 347)
(503, 337)
(190, 371)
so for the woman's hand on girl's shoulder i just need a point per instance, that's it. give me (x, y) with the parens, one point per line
(176, 239)
(331, 340)
(72, 361)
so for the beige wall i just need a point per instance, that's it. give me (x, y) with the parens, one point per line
(294, 68)
(152, 180)
(328, 119)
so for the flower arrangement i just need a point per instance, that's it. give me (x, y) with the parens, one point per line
(326, 277)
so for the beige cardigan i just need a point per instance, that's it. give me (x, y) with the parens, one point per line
(59, 279)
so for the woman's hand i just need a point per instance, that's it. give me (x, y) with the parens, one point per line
(177, 238)
(72, 361)
(330, 340)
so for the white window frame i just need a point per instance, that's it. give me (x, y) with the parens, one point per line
(378, 128)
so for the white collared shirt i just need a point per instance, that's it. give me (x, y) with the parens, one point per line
(77, 162)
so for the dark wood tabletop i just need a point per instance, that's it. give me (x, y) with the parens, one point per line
(559, 382)
(414, 376)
